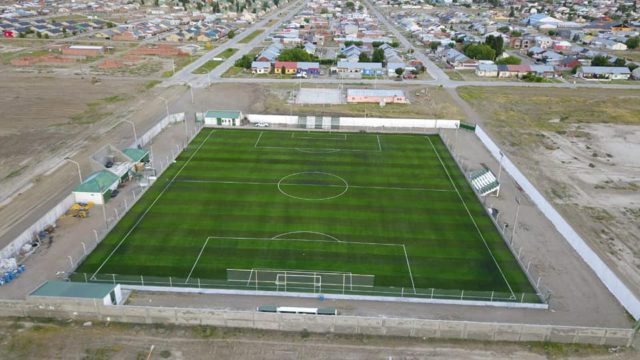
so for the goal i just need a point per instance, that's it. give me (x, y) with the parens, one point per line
(300, 280)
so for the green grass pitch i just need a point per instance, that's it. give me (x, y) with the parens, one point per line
(393, 206)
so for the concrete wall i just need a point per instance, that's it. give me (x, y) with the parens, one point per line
(610, 279)
(83, 310)
(363, 122)
(28, 235)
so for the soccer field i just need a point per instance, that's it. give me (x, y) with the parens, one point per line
(353, 213)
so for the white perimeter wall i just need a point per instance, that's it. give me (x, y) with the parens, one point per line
(362, 122)
(610, 279)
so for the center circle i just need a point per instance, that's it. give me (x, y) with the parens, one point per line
(313, 185)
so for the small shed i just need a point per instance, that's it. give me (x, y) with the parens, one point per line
(223, 118)
(97, 187)
(106, 294)
(137, 155)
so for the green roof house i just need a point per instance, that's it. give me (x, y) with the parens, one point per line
(106, 294)
(97, 187)
(137, 155)
(222, 118)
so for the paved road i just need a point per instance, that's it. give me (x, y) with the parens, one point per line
(185, 75)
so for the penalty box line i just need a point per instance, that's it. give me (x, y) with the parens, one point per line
(135, 225)
(344, 138)
(472, 219)
(404, 249)
(311, 149)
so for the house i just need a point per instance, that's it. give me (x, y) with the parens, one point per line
(561, 45)
(290, 67)
(367, 69)
(458, 60)
(260, 67)
(635, 74)
(271, 53)
(97, 187)
(487, 70)
(551, 57)
(546, 71)
(376, 96)
(88, 294)
(308, 68)
(604, 73)
(513, 70)
(392, 66)
(310, 48)
(222, 118)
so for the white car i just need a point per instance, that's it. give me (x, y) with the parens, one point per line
(262, 124)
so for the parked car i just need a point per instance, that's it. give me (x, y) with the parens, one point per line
(262, 124)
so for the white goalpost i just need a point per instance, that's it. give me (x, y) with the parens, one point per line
(300, 280)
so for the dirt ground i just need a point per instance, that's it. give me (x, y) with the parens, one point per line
(425, 102)
(32, 339)
(581, 148)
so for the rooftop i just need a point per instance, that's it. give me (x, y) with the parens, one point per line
(57, 288)
(97, 182)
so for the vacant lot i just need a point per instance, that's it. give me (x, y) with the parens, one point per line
(426, 102)
(70, 340)
(580, 146)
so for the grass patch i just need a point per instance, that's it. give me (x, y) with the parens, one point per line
(233, 71)
(207, 67)
(282, 204)
(251, 36)
(151, 84)
(227, 53)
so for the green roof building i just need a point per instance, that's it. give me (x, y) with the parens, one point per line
(222, 118)
(107, 294)
(137, 155)
(97, 187)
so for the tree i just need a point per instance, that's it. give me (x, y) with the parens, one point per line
(434, 45)
(574, 69)
(283, 70)
(296, 54)
(509, 60)
(350, 5)
(231, 34)
(516, 33)
(504, 29)
(496, 43)
(633, 43)
(364, 57)
(156, 3)
(480, 52)
(244, 62)
(378, 55)
(46, 36)
(38, 34)
(619, 62)
(632, 66)
(199, 6)
(399, 71)
(600, 60)
(512, 12)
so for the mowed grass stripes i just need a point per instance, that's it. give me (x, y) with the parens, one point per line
(361, 199)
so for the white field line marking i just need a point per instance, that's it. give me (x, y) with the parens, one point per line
(472, 219)
(319, 185)
(257, 141)
(379, 145)
(150, 206)
(196, 262)
(318, 138)
(409, 267)
(302, 240)
(311, 149)
(307, 232)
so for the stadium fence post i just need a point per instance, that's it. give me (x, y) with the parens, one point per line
(95, 232)
(462, 295)
(432, 289)
(402, 292)
(198, 283)
(85, 277)
(117, 215)
(170, 282)
(522, 298)
(125, 204)
(491, 296)
(114, 278)
(84, 248)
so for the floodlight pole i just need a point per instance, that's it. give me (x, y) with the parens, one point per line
(78, 166)
(166, 104)
(499, 172)
(135, 134)
(515, 220)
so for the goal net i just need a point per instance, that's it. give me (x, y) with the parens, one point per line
(299, 280)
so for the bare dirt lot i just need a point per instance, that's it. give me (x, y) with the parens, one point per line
(425, 102)
(26, 339)
(581, 148)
